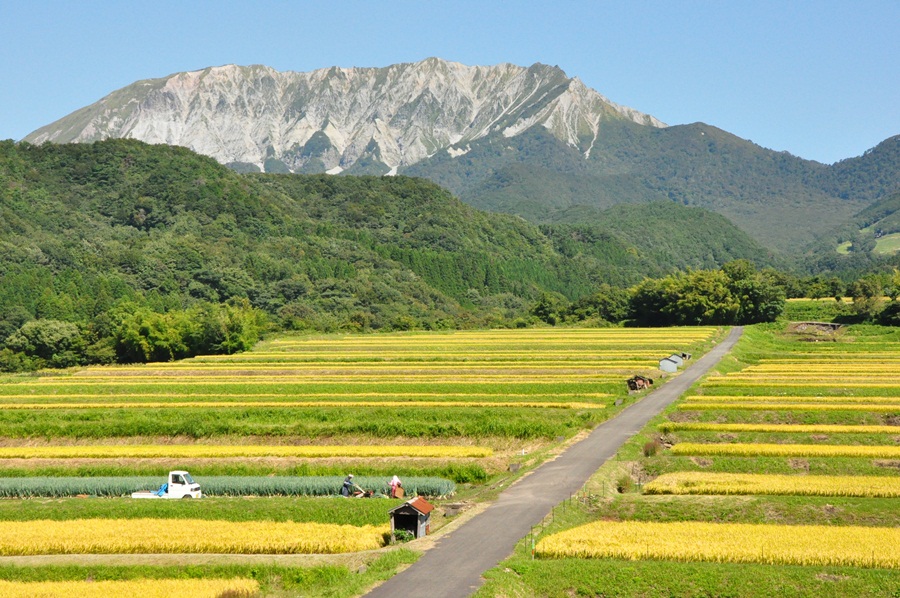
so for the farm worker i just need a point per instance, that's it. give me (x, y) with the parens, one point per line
(347, 488)
(395, 484)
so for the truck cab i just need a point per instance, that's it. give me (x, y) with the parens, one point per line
(182, 485)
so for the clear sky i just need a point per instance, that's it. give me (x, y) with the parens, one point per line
(820, 79)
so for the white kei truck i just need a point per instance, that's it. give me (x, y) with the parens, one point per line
(180, 485)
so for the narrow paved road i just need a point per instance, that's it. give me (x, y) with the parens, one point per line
(453, 568)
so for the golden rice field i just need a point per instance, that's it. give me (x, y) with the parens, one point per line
(208, 451)
(176, 536)
(702, 482)
(465, 365)
(492, 385)
(786, 450)
(781, 428)
(714, 405)
(225, 404)
(144, 588)
(818, 545)
(777, 399)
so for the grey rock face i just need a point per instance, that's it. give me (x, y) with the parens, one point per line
(365, 119)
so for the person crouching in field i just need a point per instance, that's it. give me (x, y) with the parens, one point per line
(349, 485)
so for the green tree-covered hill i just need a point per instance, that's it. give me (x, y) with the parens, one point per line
(779, 199)
(84, 228)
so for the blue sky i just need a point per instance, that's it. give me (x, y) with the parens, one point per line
(820, 79)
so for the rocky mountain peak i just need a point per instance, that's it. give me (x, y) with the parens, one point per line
(334, 119)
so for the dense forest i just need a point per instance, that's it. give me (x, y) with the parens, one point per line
(122, 251)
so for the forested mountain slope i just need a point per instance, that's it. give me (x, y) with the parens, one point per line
(85, 226)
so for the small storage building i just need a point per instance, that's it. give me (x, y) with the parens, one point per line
(413, 516)
(676, 357)
(667, 365)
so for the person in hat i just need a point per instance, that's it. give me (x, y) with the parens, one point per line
(349, 485)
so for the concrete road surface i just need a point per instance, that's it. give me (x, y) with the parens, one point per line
(454, 566)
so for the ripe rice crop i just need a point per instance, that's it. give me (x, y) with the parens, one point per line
(157, 536)
(817, 545)
(790, 428)
(701, 482)
(793, 383)
(786, 450)
(788, 399)
(270, 404)
(215, 486)
(789, 406)
(198, 451)
(145, 588)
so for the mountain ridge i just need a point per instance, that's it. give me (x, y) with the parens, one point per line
(329, 119)
(529, 141)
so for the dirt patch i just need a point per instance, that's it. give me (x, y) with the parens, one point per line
(701, 461)
(799, 464)
(891, 420)
(819, 437)
(831, 577)
(831, 509)
(686, 416)
(886, 463)
(813, 332)
(726, 437)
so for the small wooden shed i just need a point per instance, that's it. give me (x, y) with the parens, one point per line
(413, 516)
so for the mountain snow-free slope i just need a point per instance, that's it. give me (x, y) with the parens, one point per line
(378, 119)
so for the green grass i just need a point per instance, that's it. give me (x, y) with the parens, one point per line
(333, 580)
(887, 244)
(356, 511)
(775, 465)
(564, 578)
(366, 422)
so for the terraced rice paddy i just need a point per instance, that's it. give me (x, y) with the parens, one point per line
(795, 403)
(789, 456)
(514, 384)
(434, 408)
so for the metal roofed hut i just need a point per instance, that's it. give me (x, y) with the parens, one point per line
(667, 365)
(413, 516)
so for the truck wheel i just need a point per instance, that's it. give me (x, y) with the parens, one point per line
(186, 496)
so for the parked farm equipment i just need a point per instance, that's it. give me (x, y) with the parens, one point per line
(639, 383)
(180, 485)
